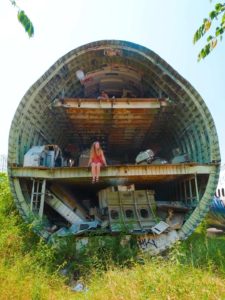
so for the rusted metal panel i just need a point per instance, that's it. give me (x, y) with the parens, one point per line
(117, 103)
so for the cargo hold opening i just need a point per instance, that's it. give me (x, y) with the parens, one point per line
(105, 202)
(123, 126)
(157, 134)
(149, 174)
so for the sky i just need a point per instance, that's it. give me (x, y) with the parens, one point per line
(164, 26)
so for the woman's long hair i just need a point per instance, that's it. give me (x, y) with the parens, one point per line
(94, 151)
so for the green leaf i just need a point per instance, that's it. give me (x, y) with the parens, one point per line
(26, 23)
(223, 19)
(213, 14)
(205, 51)
(209, 38)
(199, 33)
(202, 53)
(196, 37)
(219, 31)
(218, 6)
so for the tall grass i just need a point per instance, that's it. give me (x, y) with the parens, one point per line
(110, 269)
(27, 269)
(156, 280)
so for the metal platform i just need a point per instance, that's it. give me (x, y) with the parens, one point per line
(120, 174)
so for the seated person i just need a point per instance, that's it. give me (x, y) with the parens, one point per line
(96, 160)
(103, 95)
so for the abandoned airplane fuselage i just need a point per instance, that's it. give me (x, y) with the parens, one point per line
(161, 194)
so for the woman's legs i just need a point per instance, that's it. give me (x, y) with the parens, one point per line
(98, 167)
(93, 171)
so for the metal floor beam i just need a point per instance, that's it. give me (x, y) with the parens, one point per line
(109, 174)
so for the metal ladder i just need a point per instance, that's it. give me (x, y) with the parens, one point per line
(38, 196)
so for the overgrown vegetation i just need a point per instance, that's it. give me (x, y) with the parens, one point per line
(109, 268)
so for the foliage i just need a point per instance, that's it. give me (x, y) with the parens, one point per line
(24, 19)
(218, 15)
(194, 269)
(110, 268)
(25, 259)
(155, 280)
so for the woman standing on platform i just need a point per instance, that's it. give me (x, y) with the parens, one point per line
(97, 159)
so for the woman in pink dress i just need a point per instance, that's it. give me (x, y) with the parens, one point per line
(97, 159)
